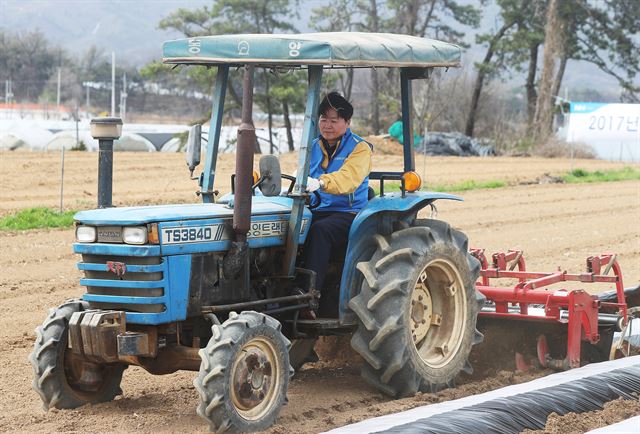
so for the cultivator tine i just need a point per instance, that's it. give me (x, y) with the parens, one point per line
(609, 265)
(628, 342)
(542, 348)
(516, 260)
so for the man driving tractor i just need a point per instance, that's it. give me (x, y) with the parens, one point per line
(339, 178)
(214, 286)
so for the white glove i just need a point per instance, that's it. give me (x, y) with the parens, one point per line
(312, 184)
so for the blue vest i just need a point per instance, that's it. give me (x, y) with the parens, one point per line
(353, 202)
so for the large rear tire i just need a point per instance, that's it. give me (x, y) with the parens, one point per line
(244, 374)
(417, 309)
(62, 378)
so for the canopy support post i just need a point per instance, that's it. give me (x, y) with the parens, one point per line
(407, 124)
(298, 194)
(217, 110)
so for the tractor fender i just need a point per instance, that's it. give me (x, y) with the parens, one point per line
(377, 217)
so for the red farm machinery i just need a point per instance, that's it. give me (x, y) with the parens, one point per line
(557, 328)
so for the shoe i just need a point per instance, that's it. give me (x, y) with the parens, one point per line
(307, 313)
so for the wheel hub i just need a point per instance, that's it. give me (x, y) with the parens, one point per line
(421, 312)
(437, 313)
(254, 378)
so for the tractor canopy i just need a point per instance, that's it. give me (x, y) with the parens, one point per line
(337, 49)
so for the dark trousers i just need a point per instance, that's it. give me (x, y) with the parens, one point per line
(327, 240)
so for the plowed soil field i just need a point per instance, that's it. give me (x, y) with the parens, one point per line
(555, 224)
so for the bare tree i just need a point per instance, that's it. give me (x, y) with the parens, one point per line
(483, 70)
(553, 50)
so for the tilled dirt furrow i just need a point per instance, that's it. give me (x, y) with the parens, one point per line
(562, 238)
(545, 202)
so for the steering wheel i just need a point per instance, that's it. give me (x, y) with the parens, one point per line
(293, 183)
(318, 200)
(266, 175)
(290, 178)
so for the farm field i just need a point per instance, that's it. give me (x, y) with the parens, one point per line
(555, 225)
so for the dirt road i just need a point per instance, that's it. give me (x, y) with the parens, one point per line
(555, 224)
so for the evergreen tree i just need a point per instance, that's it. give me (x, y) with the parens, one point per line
(239, 16)
(602, 32)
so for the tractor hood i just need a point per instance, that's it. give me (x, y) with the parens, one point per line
(135, 215)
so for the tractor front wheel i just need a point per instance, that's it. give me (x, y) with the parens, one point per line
(244, 374)
(417, 309)
(62, 378)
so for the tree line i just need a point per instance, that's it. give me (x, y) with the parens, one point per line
(603, 33)
(30, 66)
(530, 43)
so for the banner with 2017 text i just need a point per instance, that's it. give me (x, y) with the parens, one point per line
(612, 130)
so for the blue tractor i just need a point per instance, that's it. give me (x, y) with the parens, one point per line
(216, 287)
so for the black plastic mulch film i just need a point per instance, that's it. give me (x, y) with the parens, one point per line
(530, 410)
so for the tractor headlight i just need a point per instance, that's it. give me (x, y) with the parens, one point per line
(135, 235)
(85, 234)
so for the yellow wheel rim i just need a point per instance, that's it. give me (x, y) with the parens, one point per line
(254, 379)
(437, 313)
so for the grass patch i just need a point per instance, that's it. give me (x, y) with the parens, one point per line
(576, 176)
(446, 188)
(36, 218)
(579, 176)
(468, 185)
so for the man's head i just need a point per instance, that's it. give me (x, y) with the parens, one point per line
(335, 116)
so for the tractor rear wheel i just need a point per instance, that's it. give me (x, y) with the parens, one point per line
(417, 309)
(62, 378)
(244, 374)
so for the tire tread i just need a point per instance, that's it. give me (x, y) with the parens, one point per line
(211, 382)
(49, 377)
(387, 276)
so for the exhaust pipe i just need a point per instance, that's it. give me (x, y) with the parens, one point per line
(244, 161)
(237, 258)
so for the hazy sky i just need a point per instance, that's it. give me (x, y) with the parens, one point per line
(130, 28)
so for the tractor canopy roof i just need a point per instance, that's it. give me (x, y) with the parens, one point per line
(338, 49)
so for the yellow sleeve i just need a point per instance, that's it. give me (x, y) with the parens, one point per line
(349, 177)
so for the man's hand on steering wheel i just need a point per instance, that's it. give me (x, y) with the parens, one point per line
(314, 200)
(313, 186)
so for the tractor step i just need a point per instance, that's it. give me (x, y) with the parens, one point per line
(321, 327)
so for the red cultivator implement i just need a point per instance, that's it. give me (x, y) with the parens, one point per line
(565, 327)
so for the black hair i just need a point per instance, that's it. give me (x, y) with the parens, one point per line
(334, 100)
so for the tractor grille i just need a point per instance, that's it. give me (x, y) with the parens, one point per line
(126, 283)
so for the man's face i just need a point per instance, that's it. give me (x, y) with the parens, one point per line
(332, 127)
